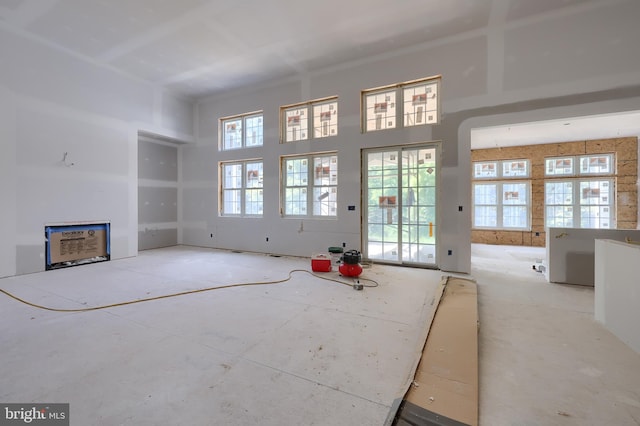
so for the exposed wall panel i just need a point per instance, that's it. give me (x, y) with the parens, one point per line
(156, 238)
(626, 150)
(157, 204)
(157, 161)
(594, 43)
(7, 183)
(157, 195)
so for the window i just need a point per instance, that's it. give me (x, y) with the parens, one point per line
(419, 104)
(485, 170)
(504, 169)
(576, 200)
(502, 203)
(310, 184)
(241, 183)
(380, 110)
(321, 116)
(241, 131)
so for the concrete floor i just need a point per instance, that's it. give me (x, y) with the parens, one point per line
(543, 358)
(306, 351)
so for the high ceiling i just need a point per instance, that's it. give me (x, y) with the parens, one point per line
(202, 47)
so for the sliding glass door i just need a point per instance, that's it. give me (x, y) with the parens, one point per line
(399, 204)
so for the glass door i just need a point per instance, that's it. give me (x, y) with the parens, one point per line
(399, 204)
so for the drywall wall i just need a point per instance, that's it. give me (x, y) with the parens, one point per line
(53, 103)
(487, 80)
(570, 252)
(157, 194)
(617, 291)
(7, 183)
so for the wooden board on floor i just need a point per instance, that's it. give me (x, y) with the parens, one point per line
(445, 387)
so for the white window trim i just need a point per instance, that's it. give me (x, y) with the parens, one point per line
(243, 117)
(500, 205)
(576, 160)
(499, 165)
(576, 199)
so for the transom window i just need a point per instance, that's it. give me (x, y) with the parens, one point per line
(501, 169)
(241, 188)
(241, 131)
(313, 119)
(407, 104)
(310, 185)
(599, 164)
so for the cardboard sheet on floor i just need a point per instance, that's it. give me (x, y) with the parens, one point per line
(444, 390)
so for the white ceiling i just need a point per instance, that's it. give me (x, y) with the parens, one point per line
(568, 129)
(201, 47)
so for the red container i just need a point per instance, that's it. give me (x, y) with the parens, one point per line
(321, 263)
(350, 270)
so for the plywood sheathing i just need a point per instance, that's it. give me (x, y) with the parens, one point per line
(626, 178)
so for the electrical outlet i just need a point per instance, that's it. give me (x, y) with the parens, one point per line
(459, 208)
(449, 252)
(211, 235)
(344, 244)
(267, 239)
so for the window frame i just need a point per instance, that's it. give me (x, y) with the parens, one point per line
(496, 174)
(577, 205)
(577, 177)
(399, 104)
(576, 169)
(243, 189)
(222, 131)
(500, 204)
(498, 167)
(309, 108)
(311, 186)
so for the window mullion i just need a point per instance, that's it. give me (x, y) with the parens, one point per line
(577, 206)
(243, 188)
(311, 184)
(499, 207)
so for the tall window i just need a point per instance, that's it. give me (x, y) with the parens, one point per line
(310, 185)
(579, 191)
(407, 104)
(313, 119)
(241, 131)
(500, 201)
(241, 188)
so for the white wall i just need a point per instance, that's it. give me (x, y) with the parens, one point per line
(52, 103)
(524, 70)
(617, 289)
(571, 252)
